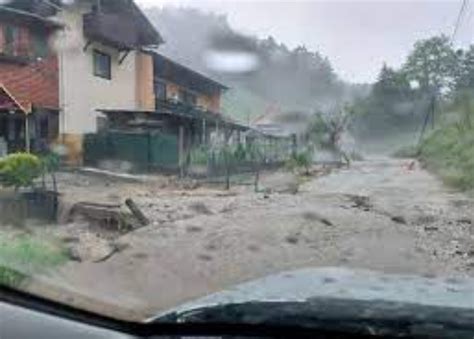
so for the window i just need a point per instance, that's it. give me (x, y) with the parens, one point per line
(10, 34)
(187, 97)
(160, 90)
(102, 65)
(44, 127)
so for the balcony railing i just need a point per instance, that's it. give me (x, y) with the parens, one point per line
(184, 109)
(15, 53)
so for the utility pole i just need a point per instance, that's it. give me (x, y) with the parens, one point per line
(430, 114)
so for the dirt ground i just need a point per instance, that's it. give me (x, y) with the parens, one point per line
(381, 214)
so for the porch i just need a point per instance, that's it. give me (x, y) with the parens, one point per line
(25, 130)
(161, 139)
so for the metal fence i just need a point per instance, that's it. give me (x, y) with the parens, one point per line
(224, 163)
(239, 164)
(145, 151)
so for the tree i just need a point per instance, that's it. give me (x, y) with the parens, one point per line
(325, 130)
(465, 76)
(432, 64)
(391, 85)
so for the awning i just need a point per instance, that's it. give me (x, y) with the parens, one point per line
(8, 101)
(195, 115)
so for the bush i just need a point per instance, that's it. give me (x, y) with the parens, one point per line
(10, 277)
(20, 170)
(451, 155)
(299, 161)
(240, 153)
(199, 156)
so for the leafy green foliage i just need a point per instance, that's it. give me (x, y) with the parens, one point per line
(11, 277)
(302, 160)
(233, 154)
(22, 256)
(396, 108)
(240, 153)
(51, 162)
(200, 156)
(325, 130)
(449, 151)
(432, 63)
(465, 73)
(20, 170)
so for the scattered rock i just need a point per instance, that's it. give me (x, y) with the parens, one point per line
(362, 202)
(200, 208)
(140, 255)
(292, 239)
(74, 255)
(425, 219)
(460, 203)
(189, 185)
(311, 216)
(253, 248)
(204, 257)
(328, 280)
(285, 183)
(229, 207)
(465, 221)
(211, 247)
(92, 248)
(193, 229)
(226, 194)
(399, 220)
(70, 239)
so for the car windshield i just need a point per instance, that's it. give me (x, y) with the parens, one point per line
(158, 153)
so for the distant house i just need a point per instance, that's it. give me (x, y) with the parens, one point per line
(29, 80)
(97, 62)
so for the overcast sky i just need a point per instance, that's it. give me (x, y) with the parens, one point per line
(357, 36)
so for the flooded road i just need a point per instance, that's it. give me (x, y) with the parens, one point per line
(380, 214)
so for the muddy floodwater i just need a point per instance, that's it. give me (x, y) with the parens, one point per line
(380, 214)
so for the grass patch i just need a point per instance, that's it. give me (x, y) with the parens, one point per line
(449, 152)
(23, 256)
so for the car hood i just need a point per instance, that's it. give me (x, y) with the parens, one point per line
(300, 286)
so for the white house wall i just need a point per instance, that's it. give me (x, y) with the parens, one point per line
(82, 93)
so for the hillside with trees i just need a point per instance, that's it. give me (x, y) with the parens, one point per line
(428, 105)
(293, 79)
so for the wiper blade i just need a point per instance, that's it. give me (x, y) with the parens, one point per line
(377, 318)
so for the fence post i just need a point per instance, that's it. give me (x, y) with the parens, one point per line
(227, 168)
(181, 151)
(257, 176)
(149, 151)
(294, 145)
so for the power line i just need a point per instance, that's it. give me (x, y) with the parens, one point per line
(459, 19)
